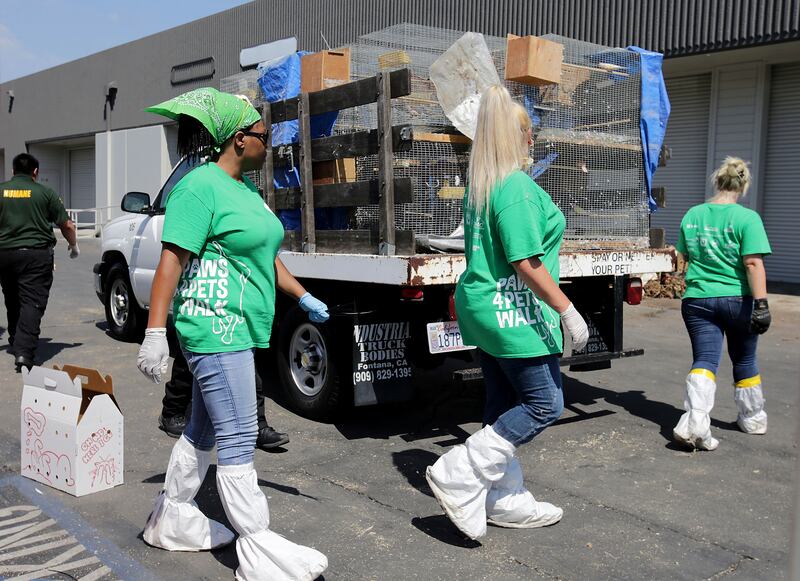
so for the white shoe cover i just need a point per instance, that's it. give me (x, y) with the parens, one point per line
(461, 479)
(750, 401)
(694, 427)
(263, 554)
(176, 523)
(510, 505)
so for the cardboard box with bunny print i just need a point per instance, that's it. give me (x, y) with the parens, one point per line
(72, 430)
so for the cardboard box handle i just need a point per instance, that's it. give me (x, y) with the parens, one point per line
(94, 381)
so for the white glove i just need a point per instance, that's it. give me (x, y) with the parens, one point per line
(74, 251)
(576, 326)
(154, 354)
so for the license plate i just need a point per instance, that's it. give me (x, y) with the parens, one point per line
(445, 336)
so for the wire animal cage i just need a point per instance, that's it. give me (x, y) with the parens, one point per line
(246, 83)
(587, 152)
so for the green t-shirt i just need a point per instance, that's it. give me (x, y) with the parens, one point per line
(28, 211)
(225, 300)
(714, 238)
(496, 310)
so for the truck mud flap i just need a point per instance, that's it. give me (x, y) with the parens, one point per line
(382, 372)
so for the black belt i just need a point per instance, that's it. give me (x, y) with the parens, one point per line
(26, 248)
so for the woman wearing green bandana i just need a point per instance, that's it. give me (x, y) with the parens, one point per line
(510, 306)
(219, 265)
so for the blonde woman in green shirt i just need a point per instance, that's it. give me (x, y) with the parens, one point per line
(726, 295)
(510, 306)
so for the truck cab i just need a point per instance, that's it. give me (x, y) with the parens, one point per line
(130, 251)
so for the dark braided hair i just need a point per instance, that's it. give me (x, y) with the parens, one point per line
(194, 140)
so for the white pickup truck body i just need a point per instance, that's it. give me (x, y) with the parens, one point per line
(322, 366)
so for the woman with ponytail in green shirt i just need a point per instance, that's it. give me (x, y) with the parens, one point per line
(510, 306)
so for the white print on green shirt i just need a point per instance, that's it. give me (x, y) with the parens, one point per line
(517, 306)
(710, 243)
(473, 220)
(204, 285)
(226, 325)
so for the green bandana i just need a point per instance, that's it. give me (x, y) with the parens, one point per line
(222, 114)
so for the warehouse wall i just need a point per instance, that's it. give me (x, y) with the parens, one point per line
(723, 104)
(140, 162)
(142, 69)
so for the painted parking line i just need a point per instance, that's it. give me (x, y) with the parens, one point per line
(40, 538)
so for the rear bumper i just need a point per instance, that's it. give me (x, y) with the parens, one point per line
(600, 357)
(576, 362)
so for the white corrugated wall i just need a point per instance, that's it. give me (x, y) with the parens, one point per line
(736, 129)
(684, 176)
(781, 191)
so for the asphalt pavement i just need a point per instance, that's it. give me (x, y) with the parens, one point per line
(635, 506)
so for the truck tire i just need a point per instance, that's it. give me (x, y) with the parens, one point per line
(306, 365)
(124, 316)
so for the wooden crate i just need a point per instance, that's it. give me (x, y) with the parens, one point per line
(324, 69)
(334, 171)
(533, 61)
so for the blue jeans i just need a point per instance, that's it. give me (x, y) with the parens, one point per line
(708, 320)
(223, 405)
(523, 395)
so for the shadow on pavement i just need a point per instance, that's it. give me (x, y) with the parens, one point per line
(412, 464)
(47, 349)
(441, 415)
(663, 415)
(440, 528)
(209, 487)
(103, 326)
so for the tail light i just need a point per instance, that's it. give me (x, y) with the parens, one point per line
(451, 306)
(633, 291)
(410, 293)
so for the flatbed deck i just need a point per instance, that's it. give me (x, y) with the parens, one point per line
(444, 269)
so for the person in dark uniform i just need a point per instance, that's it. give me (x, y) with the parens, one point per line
(178, 400)
(27, 212)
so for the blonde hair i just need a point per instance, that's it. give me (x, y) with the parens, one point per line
(732, 176)
(500, 145)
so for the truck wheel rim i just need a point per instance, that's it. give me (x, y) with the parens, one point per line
(119, 302)
(308, 360)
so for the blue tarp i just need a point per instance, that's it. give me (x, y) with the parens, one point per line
(654, 114)
(279, 80)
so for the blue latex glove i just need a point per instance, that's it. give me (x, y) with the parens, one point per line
(316, 309)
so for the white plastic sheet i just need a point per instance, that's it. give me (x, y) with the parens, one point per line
(460, 76)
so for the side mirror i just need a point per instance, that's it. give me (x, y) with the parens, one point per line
(136, 203)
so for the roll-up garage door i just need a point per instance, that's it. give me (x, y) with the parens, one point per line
(781, 190)
(51, 169)
(684, 176)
